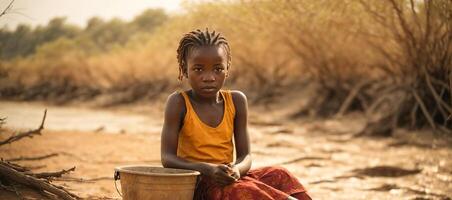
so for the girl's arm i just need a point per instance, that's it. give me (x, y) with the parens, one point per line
(174, 114)
(242, 140)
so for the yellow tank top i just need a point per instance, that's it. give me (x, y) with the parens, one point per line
(200, 142)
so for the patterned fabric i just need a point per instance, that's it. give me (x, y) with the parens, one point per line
(267, 183)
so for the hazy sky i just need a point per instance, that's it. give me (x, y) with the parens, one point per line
(36, 12)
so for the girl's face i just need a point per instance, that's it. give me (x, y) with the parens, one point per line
(207, 70)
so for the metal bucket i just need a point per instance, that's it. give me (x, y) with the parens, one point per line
(142, 182)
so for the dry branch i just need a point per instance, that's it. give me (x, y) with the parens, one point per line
(16, 174)
(424, 109)
(15, 166)
(351, 96)
(34, 182)
(30, 133)
(7, 188)
(48, 175)
(22, 158)
(423, 64)
(10, 5)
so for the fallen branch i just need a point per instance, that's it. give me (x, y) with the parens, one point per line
(7, 188)
(15, 166)
(48, 175)
(16, 174)
(18, 193)
(30, 133)
(34, 182)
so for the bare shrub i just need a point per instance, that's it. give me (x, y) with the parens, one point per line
(418, 65)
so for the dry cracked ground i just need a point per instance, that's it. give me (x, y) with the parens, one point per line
(322, 153)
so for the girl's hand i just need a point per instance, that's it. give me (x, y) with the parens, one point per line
(220, 174)
(234, 171)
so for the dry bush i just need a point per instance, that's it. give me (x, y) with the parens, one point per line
(60, 72)
(322, 39)
(417, 88)
(262, 65)
(390, 59)
(54, 72)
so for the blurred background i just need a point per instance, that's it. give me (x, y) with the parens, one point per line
(343, 68)
(391, 57)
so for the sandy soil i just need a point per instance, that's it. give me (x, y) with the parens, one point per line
(323, 154)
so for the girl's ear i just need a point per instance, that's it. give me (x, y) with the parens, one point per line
(228, 69)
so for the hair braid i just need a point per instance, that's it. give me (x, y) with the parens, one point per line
(196, 39)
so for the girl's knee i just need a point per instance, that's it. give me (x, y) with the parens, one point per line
(280, 170)
(243, 187)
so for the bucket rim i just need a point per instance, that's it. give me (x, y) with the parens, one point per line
(186, 173)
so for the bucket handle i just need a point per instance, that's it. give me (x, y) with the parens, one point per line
(117, 177)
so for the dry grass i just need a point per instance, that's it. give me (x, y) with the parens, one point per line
(372, 56)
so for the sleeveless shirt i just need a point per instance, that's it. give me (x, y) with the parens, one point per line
(200, 142)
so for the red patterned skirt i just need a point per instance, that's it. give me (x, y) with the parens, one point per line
(266, 183)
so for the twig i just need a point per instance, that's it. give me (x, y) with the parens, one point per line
(36, 183)
(413, 114)
(352, 95)
(26, 134)
(15, 166)
(22, 158)
(424, 109)
(7, 8)
(48, 175)
(437, 97)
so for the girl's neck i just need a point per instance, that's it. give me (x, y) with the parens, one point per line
(208, 100)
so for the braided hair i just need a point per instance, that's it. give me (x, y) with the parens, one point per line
(195, 39)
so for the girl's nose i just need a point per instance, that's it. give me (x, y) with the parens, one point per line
(208, 76)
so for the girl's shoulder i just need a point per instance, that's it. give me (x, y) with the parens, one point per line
(238, 96)
(240, 101)
(175, 104)
(175, 98)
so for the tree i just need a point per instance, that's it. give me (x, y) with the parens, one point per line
(148, 20)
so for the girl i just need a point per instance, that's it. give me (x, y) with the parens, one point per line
(201, 124)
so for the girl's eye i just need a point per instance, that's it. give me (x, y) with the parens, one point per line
(197, 69)
(220, 69)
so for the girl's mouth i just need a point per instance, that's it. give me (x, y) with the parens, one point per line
(209, 89)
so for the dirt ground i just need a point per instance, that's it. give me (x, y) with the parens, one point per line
(323, 154)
